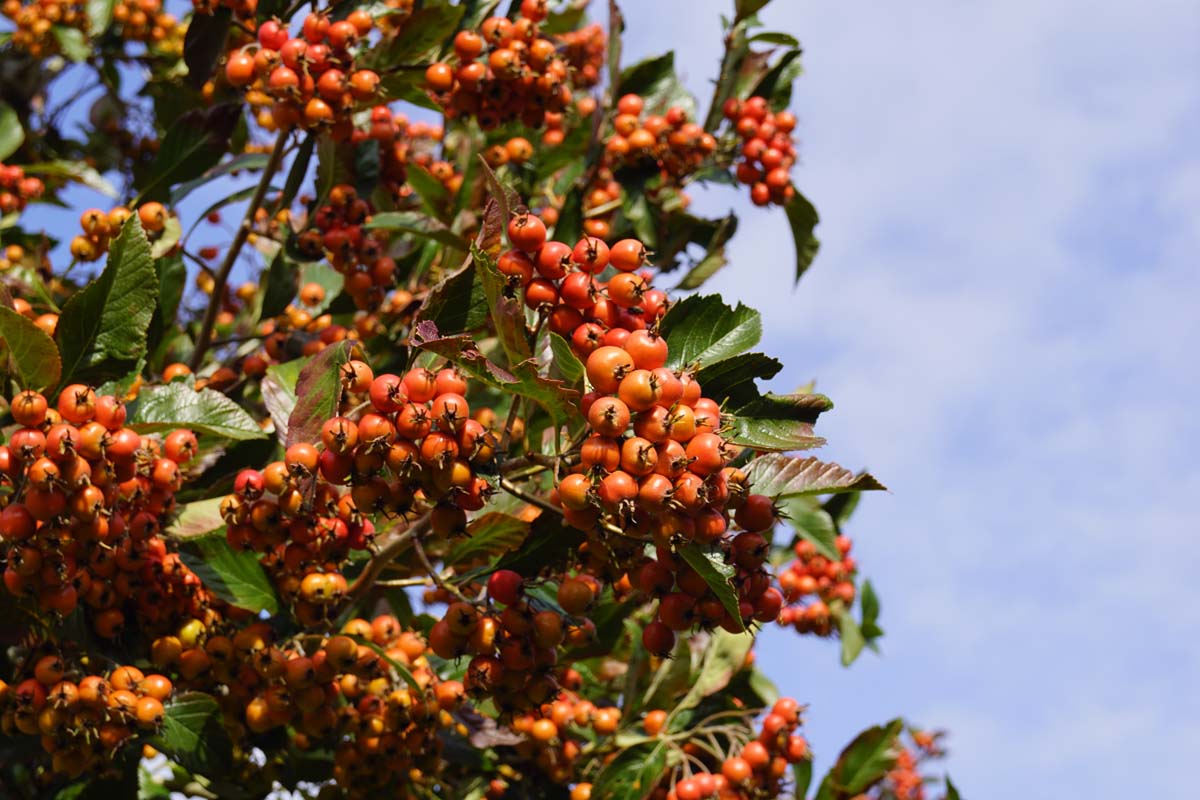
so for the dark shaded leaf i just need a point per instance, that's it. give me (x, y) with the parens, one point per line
(177, 405)
(205, 43)
(633, 774)
(234, 576)
(421, 40)
(417, 224)
(194, 143)
(745, 8)
(655, 80)
(550, 544)
(849, 632)
(318, 393)
(703, 330)
(776, 84)
(458, 303)
(31, 352)
(811, 523)
(778, 475)
(12, 135)
(710, 563)
(102, 329)
(277, 286)
(298, 171)
(492, 534)
(733, 378)
(802, 774)
(430, 191)
(244, 162)
(802, 216)
(778, 422)
(866, 760)
(870, 613)
(951, 790)
(192, 735)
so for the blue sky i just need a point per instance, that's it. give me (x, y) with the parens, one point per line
(1003, 310)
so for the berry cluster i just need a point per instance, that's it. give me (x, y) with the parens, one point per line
(100, 228)
(81, 719)
(583, 50)
(813, 574)
(515, 151)
(243, 10)
(768, 150)
(507, 70)
(308, 80)
(36, 20)
(144, 21)
(16, 189)
(402, 143)
(81, 525)
(675, 144)
(338, 235)
(417, 447)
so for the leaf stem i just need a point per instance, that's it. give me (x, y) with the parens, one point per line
(239, 240)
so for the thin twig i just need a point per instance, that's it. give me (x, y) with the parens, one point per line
(435, 575)
(384, 557)
(512, 489)
(239, 240)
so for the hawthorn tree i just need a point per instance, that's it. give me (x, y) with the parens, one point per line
(454, 494)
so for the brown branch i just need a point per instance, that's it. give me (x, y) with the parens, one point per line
(385, 556)
(239, 240)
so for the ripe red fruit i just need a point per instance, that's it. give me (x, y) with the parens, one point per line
(658, 639)
(505, 586)
(526, 232)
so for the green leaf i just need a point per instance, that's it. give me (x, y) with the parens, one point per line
(655, 80)
(419, 225)
(802, 773)
(550, 544)
(12, 135)
(704, 330)
(714, 258)
(776, 37)
(192, 735)
(508, 310)
(458, 303)
(279, 392)
(560, 402)
(776, 84)
(172, 275)
(430, 191)
(99, 14)
(565, 360)
(234, 576)
(193, 144)
(778, 475)
(318, 393)
(204, 44)
(277, 286)
(421, 40)
(616, 29)
(32, 354)
(951, 790)
(842, 506)
(72, 43)
(150, 788)
(492, 534)
(745, 8)
(851, 635)
(777, 422)
(710, 563)
(724, 657)
(102, 329)
(812, 524)
(633, 774)
(177, 405)
(79, 171)
(167, 240)
(200, 518)
(245, 162)
(802, 216)
(866, 760)
(327, 277)
(870, 613)
(733, 379)
(298, 172)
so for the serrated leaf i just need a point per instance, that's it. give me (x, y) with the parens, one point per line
(870, 613)
(802, 216)
(192, 145)
(565, 360)
(849, 632)
(205, 43)
(244, 162)
(866, 760)
(777, 422)
(812, 524)
(318, 393)
(724, 657)
(492, 534)
(102, 329)
(417, 224)
(733, 379)
(192, 735)
(31, 352)
(710, 563)
(508, 311)
(79, 171)
(550, 544)
(703, 330)
(778, 475)
(177, 405)
(200, 518)
(633, 774)
(279, 392)
(458, 303)
(660, 88)
(559, 401)
(234, 576)
(421, 40)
